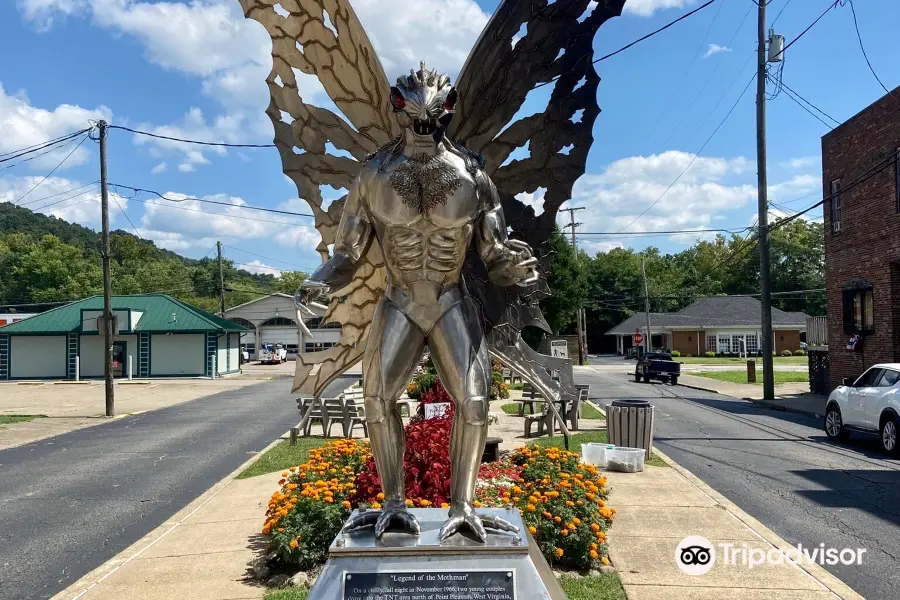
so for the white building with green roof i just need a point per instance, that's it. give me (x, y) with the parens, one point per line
(158, 336)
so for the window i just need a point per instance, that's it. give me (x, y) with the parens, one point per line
(836, 206)
(889, 378)
(897, 177)
(724, 344)
(710, 343)
(278, 321)
(752, 342)
(316, 323)
(859, 309)
(868, 378)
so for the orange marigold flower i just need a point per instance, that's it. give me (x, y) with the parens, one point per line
(593, 554)
(577, 521)
(559, 552)
(593, 546)
(605, 561)
(530, 508)
(346, 504)
(376, 505)
(532, 529)
(444, 505)
(564, 532)
(425, 503)
(294, 544)
(476, 504)
(595, 527)
(380, 496)
(557, 520)
(285, 474)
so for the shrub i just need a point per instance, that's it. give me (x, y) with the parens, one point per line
(562, 501)
(786, 353)
(709, 354)
(675, 353)
(306, 514)
(499, 389)
(799, 353)
(426, 464)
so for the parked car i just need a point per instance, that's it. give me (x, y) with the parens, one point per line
(657, 365)
(270, 354)
(870, 404)
(245, 356)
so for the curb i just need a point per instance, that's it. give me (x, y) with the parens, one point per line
(79, 588)
(702, 389)
(782, 408)
(817, 572)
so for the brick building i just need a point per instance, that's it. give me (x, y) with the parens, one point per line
(726, 325)
(861, 182)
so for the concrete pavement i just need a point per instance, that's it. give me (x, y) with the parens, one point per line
(780, 468)
(71, 502)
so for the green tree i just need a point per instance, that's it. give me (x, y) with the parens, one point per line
(568, 284)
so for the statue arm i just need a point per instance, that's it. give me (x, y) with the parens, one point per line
(351, 243)
(509, 262)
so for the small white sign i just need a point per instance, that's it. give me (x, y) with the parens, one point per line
(559, 349)
(436, 410)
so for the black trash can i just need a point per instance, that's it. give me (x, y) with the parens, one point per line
(629, 424)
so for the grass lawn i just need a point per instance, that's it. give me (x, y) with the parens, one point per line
(604, 587)
(597, 437)
(587, 411)
(283, 456)
(741, 376)
(8, 419)
(715, 360)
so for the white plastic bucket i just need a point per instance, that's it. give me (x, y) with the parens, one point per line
(627, 460)
(596, 454)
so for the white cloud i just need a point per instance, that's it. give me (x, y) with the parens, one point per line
(617, 196)
(802, 162)
(256, 266)
(62, 198)
(23, 125)
(160, 168)
(716, 49)
(793, 187)
(231, 55)
(646, 8)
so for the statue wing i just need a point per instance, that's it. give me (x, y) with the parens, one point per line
(557, 52)
(325, 39)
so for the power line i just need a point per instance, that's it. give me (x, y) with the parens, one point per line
(878, 168)
(784, 6)
(47, 176)
(265, 257)
(59, 193)
(90, 191)
(662, 232)
(228, 215)
(41, 146)
(652, 33)
(44, 153)
(125, 214)
(186, 141)
(694, 158)
(789, 89)
(810, 26)
(228, 204)
(801, 105)
(861, 47)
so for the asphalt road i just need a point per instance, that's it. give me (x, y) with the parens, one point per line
(69, 503)
(780, 468)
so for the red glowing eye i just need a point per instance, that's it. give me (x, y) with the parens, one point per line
(397, 100)
(450, 102)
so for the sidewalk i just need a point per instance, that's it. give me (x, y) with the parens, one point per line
(659, 507)
(791, 397)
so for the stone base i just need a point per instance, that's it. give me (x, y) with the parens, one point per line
(401, 566)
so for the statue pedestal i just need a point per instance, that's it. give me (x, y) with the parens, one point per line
(401, 566)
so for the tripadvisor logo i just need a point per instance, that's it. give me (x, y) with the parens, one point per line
(696, 555)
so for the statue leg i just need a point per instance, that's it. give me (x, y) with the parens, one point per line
(461, 358)
(394, 348)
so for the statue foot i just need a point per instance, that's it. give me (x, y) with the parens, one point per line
(476, 524)
(383, 519)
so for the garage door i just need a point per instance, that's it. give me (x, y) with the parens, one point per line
(37, 356)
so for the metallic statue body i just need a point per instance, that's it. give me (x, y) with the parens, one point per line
(423, 201)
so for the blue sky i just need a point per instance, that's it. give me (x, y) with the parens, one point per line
(197, 69)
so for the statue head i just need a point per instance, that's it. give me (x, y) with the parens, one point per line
(424, 101)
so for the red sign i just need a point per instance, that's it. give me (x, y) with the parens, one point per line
(637, 339)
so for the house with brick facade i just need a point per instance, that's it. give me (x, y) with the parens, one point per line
(861, 183)
(726, 325)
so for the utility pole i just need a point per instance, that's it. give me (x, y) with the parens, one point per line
(221, 281)
(107, 286)
(763, 206)
(649, 338)
(578, 319)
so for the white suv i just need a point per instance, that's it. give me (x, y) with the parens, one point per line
(871, 404)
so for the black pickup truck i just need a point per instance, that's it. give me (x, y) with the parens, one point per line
(657, 365)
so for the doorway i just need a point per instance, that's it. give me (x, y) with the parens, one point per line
(119, 359)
